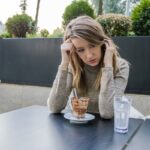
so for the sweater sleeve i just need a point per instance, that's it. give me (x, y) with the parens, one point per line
(60, 91)
(112, 85)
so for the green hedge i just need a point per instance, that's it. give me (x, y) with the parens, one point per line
(115, 24)
(141, 18)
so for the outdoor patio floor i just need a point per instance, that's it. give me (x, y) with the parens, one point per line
(13, 96)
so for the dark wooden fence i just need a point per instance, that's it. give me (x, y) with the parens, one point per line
(29, 61)
(35, 61)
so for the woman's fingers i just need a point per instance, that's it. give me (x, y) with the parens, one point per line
(108, 53)
(110, 46)
(66, 49)
(66, 46)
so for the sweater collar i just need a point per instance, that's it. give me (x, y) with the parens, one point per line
(91, 68)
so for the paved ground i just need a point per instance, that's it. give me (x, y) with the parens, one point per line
(14, 96)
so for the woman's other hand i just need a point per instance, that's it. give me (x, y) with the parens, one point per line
(108, 57)
(66, 49)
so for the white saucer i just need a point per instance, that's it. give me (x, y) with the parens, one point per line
(73, 119)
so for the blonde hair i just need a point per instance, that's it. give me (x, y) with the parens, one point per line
(89, 29)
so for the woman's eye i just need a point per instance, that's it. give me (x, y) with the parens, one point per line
(80, 50)
(92, 46)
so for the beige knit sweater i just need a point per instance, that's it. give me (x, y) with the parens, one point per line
(101, 101)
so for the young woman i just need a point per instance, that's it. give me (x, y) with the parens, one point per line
(91, 64)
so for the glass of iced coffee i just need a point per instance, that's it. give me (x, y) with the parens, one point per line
(79, 106)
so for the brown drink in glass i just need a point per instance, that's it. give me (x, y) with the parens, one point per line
(79, 106)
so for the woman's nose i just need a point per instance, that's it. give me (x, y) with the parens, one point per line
(89, 54)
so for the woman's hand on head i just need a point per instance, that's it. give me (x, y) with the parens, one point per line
(108, 57)
(66, 49)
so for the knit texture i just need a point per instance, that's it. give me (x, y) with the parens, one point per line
(101, 101)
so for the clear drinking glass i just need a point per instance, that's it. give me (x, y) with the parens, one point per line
(122, 106)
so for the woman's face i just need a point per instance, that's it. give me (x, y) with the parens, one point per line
(89, 53)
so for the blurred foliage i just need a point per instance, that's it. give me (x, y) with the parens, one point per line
(115, 24)
(44, 33)
(35, 35)
(75, 9)
(97, 6)
(141, 18)
(114, 6)
(20, 25)
(5, 35)
(23, 6)
(58, 32)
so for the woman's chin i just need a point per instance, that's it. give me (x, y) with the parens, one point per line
(93, 64)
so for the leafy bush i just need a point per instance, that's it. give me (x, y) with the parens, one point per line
(115, 24)
(44, 33)
(75, 9)
(141, 18)
(5, 35)
(19, 25)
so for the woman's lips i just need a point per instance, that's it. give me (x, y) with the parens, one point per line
(92, 61)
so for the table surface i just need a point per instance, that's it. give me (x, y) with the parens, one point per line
(141, 140)
(35, 128)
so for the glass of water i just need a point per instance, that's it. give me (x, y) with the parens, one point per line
(122, 106)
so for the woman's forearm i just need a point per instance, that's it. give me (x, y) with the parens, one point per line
(107, 92)
(111, 86)
(60, 91)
